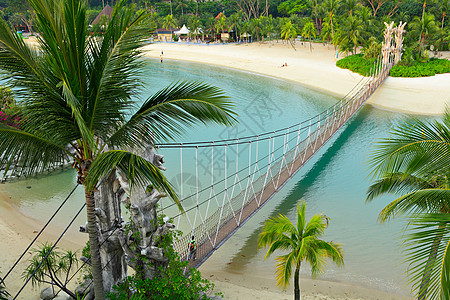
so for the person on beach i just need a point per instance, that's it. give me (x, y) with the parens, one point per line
(161, 59)
(192, 249)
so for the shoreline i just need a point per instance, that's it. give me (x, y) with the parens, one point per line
(404, 95)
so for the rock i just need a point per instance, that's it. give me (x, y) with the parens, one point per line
(84, 288)
(62, 296)
(47, 293)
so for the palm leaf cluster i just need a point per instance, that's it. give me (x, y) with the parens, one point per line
(414, 164)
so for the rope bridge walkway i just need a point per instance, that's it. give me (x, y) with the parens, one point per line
(215, 212)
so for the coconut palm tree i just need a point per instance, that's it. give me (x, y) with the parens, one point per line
(351, 33)
(169, 22)
(443, 7)
(288, 32)
(234, 23)
(78, 92)
(303, 243)
(423, 28)
(308, 32)
(414, 162)
(330, 7)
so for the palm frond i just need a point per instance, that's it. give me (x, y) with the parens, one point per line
(284, 266)
(425, 200)
(426, 248)
(395, 183)
(166, 114)
(33, 153)
(137, 170)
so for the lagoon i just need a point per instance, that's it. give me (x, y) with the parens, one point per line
(334, 182)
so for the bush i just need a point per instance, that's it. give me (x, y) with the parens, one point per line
(356, 63)
(421, 69)
(171, 283)
(405, 68)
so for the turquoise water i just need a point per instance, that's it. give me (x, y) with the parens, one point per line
(334, 182)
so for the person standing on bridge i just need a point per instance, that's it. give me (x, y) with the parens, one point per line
(192, 249)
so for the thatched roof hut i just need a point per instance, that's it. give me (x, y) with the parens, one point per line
(107, 12)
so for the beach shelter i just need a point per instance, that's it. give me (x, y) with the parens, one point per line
(183, 30)
(107, 12)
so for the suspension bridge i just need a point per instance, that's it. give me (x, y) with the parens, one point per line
(252, 170)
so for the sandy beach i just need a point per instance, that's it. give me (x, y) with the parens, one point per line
(315, 69)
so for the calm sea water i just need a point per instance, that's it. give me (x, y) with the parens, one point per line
(334, 182)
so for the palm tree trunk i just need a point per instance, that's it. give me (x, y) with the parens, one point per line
(95, 248)
(443, 17)
(297, 282)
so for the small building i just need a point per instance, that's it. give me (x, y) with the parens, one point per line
(105, 13)
(165, 34)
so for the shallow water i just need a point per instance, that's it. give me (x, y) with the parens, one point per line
(334, 182)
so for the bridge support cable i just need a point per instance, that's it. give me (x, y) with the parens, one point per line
(39, 233)
(285, 152)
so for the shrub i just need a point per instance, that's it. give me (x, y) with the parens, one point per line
(171, 282)
(372, 50)
(408, 67)
(356, 63)
(421, 69)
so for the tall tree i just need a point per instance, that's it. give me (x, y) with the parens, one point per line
(302, 242)
(309, 31)
(423, 28)
(288, 32)
(331, 7)
(78, 91)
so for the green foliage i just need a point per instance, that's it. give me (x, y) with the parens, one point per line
(292, 7)
(172, 282)
(55, 268)
(421, 69)
(301, 242)
(3, 292)
(356, 63)
(372, 50)
(414, 162)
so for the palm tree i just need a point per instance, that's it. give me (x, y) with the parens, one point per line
(195, 26)
(309, 31)
(303, 243)
(423, 28)
(288, 32)
(181, 4)
(415, 162)
(78, 92)
(234, 23)
(351, 33)
(220, 24)
(331, 7)
(350, 6)
(443, 7)
(169, 22)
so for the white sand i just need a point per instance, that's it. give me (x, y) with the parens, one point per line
(317, 70)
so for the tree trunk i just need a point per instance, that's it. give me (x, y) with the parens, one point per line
(95, 249)
(297, 282)
(107, 203)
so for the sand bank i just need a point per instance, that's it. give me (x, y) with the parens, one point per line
(315, 69)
